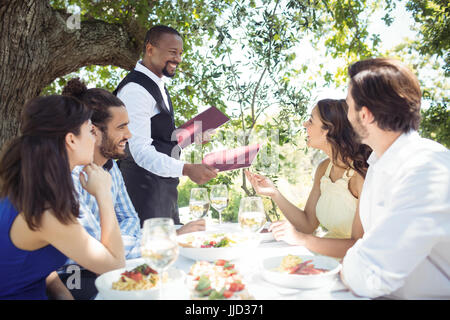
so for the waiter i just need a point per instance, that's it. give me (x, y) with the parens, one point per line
(152, 167)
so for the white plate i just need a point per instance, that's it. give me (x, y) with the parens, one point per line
(267, 236)
(298, 281)
(104, 284)
(250, 242)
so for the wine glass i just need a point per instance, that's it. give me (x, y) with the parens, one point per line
(219, 198)
(199, 202)
(252, 216)
(159, 247)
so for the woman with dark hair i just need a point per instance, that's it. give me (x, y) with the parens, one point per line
(38, 204)
(333, 201)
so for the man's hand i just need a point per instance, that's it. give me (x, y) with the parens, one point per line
(199, 173)
(193, 226)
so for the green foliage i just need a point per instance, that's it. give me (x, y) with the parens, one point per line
(230, 214)
(435, 123)
(433, 17)
(194, 19)
(184, 192)
(106, 77)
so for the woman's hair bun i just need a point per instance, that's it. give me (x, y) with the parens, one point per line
(74, 88)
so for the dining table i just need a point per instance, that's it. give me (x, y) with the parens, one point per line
(250, 267)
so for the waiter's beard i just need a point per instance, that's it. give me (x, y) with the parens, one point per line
(109, 149)
(166, 72)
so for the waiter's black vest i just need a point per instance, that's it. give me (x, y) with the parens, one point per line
(152, 195)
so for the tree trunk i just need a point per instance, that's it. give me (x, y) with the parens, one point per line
(39, 44)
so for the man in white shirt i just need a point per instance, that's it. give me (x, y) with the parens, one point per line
(152, 167)
(405, 202)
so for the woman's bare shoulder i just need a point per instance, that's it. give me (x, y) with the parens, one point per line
(322, 167)
(356, 184)
(49, 222)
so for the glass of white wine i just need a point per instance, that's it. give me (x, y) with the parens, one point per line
(159, 247)
(199, 202)
(219, 198)
(252, 216)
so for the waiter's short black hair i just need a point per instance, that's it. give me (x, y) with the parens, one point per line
(154, 33)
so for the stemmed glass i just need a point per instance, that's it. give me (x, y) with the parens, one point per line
(199, 202)
(252, 216)
(219, 198)
(159, 245)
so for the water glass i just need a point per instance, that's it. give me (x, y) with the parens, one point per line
(219, 198)
(252, 216)
(199, 202)
(159, 247)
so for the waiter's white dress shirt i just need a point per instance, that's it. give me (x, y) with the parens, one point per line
(141, 107)
(405, 213)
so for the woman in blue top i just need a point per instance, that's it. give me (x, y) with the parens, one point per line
(38, 204)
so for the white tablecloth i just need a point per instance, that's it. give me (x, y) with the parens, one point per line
(250, 267)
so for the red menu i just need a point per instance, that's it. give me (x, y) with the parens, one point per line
(232, 159)
(211, 118)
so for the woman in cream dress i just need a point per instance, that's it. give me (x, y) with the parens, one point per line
(333, 201)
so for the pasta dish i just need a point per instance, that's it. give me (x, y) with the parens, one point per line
(295, 265)
(140, 278)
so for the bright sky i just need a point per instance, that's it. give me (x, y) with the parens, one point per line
(390, 37)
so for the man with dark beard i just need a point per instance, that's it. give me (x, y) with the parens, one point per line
(110, 128)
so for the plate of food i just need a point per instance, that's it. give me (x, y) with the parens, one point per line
(301, 271)
(137, 281)
(211, 246)
(218, 280)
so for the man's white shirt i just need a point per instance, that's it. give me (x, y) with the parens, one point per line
(405, 213)
(141, 107)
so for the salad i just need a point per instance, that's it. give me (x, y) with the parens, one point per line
(217, 280)
(213, 240)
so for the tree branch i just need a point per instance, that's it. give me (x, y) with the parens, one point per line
(254, 97)
(96, 42)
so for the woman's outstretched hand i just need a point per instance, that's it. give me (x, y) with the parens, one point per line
(283, 230)
(262, 185)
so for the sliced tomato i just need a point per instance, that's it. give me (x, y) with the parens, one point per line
(136, 276)
(227, 294)
(221, 262)
(150, 270)
(236, 286)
